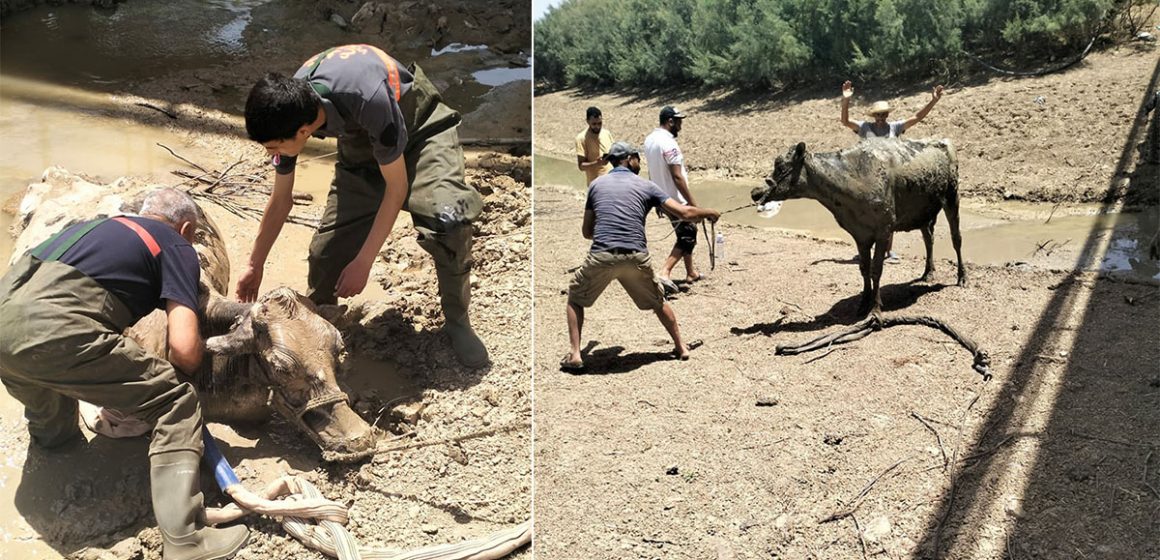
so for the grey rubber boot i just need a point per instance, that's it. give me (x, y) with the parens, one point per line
(177, 504)
(455, 297)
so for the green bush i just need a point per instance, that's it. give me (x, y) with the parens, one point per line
(759, 43)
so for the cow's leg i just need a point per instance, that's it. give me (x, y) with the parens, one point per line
(880, 249)
(928, 240)
(864, 267)
(951, 207)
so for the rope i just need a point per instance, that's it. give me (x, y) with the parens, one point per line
(318, 523)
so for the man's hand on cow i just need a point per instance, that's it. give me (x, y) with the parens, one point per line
(848, 89)
(353, 278)
(248, 284)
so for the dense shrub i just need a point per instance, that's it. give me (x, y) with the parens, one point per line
(762, 43)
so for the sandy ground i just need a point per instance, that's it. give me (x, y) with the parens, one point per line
(397, 358)
(742, 454)
(646, 457)
(1052, 138)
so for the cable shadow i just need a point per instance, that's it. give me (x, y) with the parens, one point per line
(1090, 368)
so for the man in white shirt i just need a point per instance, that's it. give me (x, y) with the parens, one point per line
(666, 168)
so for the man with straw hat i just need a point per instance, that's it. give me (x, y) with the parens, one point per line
(880, 127)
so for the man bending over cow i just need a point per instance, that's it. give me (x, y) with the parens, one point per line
(398, 149)
(882, 128)
(63, 308)
(614, 217)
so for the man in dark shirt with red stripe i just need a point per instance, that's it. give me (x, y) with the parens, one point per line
(63, 308)
(398, 149)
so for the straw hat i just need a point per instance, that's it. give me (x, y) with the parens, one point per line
(878, 107)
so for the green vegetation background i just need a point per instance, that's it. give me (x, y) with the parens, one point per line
(776, 43)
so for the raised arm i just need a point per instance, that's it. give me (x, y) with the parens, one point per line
(847, 92)
(277, 209)
(935, 95)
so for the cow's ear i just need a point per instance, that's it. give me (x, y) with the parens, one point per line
(799, 151)
(332, 313)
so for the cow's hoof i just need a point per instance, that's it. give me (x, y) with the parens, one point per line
(962, 282)
(926, 278)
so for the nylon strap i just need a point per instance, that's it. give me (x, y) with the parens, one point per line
(82, 231)
(146, 238)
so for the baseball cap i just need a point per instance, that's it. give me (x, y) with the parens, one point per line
(670, 112)
(621, 150)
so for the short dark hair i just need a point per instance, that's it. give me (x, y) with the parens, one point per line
(593, 112)
(278, 106)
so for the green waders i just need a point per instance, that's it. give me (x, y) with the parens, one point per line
(441, 204)
(61, 341)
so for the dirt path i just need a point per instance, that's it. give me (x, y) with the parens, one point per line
(1053, 138)
(741, 454)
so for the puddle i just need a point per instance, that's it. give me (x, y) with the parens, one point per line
(992, 234)
(500, 76)
(457, 48)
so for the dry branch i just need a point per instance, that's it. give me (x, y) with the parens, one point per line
(847, 512)
(981, 364)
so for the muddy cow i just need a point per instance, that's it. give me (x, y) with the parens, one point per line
(278, 352)
(874, 189)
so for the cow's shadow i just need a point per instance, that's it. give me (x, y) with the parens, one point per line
(895, 297)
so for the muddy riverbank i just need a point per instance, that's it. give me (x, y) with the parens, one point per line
(739, 453)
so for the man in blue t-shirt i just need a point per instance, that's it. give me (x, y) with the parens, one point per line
(63, 308)
(614, 216)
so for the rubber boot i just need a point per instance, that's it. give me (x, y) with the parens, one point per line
(455, 297)
(177, 504)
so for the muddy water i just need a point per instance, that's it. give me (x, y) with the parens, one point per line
(992, 233)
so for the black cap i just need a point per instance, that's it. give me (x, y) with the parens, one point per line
(670, 112)
(620, 150)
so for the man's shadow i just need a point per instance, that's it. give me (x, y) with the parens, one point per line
(86, 494)
(612, 360)
(895, 297)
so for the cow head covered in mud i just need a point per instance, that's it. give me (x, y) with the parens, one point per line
(279, 350)
(785, 181)
(296, 352)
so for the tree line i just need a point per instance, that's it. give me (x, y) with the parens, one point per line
(776, 43)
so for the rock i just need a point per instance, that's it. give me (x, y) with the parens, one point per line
(338, 20)
(127, 549)
(410, 412)
(430, 529)
(1013, 506)
(672, 470)
(877, 529)
(767, 401)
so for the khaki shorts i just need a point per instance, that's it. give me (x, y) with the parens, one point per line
(633, 270)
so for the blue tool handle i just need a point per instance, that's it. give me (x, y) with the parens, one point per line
(223, 473)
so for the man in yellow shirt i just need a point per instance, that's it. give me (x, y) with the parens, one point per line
(591, 145)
